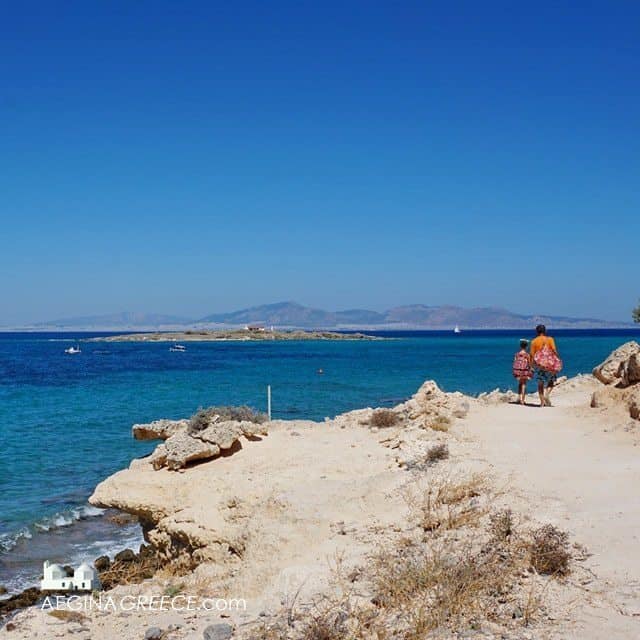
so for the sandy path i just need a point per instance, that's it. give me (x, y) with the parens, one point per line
(578, 473)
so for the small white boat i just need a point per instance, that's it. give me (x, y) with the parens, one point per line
(73, 350)
(457, 329)
(180, 348)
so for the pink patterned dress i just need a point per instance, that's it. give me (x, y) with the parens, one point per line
(522, 366)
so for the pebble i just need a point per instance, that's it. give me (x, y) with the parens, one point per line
(153, 633)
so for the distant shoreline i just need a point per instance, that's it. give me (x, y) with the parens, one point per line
(239, 335)
(628, 327)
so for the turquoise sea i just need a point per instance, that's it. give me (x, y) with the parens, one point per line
(65, 421)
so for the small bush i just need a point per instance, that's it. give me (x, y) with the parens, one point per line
(437, 453)
(549, 550)
(383, 418)
(203, 418)
(445, 586)
(326, 625)
(501, 525)
(142, 567)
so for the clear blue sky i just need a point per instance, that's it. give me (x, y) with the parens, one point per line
(184, 157)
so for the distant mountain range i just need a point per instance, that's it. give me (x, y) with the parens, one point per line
(293, 315)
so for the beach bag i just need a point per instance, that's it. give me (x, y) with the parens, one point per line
(547, 359)
(521, 365)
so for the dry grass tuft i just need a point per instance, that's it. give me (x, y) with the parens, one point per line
(448, 503)
(327, 624)
(383, 418)
(549, 551)
(436, 453)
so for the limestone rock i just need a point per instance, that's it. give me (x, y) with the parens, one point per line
(223, 434)
(497, 396)
(634, 404)
(158, 429)
(158, 458)
(220, 631)
(461, 409)
(126, 555)
(617, 364)
(183, 445)
(253, 429)
(181, 449)
(153, 633)
(630, 371)
(357, 418)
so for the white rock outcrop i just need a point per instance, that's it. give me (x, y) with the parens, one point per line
(621, 367)
(158, 429)
(183, 444)
(620, 372)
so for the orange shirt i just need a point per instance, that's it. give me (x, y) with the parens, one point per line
(539, 342)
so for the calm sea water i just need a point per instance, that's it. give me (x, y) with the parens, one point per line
(65, 421)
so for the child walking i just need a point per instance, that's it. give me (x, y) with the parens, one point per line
(522, 370)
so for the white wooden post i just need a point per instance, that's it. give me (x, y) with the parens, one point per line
(269, 401)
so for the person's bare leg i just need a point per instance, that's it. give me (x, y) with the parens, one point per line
(521, 390)
(547, 400)
(541, 392)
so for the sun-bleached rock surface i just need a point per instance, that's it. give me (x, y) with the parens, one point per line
(158, 429)
(194, 517)
(186, 442)
(620, 372)
(622, 366)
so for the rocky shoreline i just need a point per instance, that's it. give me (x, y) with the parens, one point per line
(245, 505)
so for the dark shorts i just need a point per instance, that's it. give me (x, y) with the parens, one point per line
(546, 377)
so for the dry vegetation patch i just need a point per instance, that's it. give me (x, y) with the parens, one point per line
(383, 418)
(436, 453)
(203, 418)
(548, 550)
(142, 567)
(461, 568)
